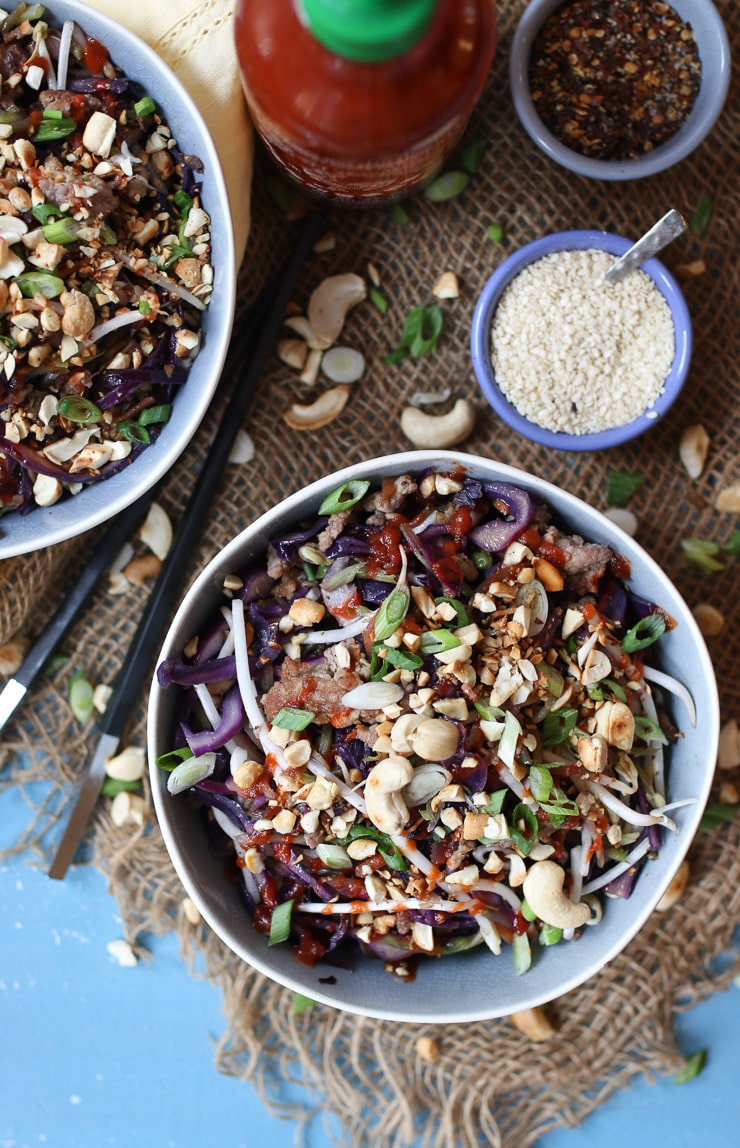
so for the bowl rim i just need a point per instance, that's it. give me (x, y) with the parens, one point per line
(691, 134)
(483, 317)
(128, 485)
(290, 508)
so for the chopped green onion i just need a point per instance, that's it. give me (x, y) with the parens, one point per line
(523, 828)
(496, 804)
(495, 232)
(403, 659)
(616, 689)
(621, 485)
(107, 234)
(462, 618)
(540, 782)
(435, 641)
(521, 952)
(144, 107)
(717, 814)
(553, 678)
(489, 712)
(482, 560)
(311, 572)
(392, 613)
(112, 786)
(145, 308)
(390, 853)
(167, 761)
(64, 230)
(301, 1004)
(55, 664)
(343, 577)
(702, 216)
(378, 300)
(280, 923)
(420, 335)
(156, 414)
(344, 497)
(647, 730)
(79, 410)
(334, 857)
(643, 633)
(43, 212)
(472, 156)
(80, 693)
(39, 283)
(189, 772)
(732, 545)
(557, 727)
(51, 114)
(446, 186)
(702, 553)
(291, 717)
(527, 912)
(692, 1067)
(133, 432)
(53, 129)
(399, 214)
(182, 201)
(550, 934)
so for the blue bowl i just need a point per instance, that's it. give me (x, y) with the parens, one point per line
(480, 340)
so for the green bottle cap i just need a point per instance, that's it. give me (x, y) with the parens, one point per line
(368, 30)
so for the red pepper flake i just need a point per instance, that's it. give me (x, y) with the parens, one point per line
(614, 79)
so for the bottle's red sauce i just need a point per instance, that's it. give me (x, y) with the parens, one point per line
(359, 132)
(95, 55)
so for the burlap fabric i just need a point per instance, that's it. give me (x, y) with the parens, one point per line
(490, 1086)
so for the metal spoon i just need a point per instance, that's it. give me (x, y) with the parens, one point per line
(659, 236)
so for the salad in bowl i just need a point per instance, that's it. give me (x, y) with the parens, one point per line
(429, 716)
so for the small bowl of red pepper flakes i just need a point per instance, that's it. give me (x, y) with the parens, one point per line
(616, 90)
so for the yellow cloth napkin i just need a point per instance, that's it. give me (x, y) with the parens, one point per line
(196, 39)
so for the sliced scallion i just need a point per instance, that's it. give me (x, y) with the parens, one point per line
(489, 712)
(701, 218)
(301, 1004)
(446, 186)
(378, 300)
(80, 693)
(53, 129)
(523, 828)
(43, 283)
(190, 771)
(647, 730)
(692, 1067)
(112, 786)
(64, 230)
(703, 554)
(280, 922)
(79, 410)
(496, 802)
(133, 432)
(334, 857)
(462, 618)
(43, 212)
(522, 953)
(344, 497)
(145, 107)
(509, 739)
(436, 641)
(621, 485)
(495, 232)
(557, 727)
(527, 912)
(399, 214)
(472, 156)
(643, 633)
(550, 934)
(392, 613)
(157, 414)
(292, 717)
(173, 757)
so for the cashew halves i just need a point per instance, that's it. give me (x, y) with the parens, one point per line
(438, 430)
(543, 890)
(385, 807)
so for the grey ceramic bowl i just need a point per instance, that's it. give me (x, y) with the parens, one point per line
(714, 52)
(476, 985)
(44, 526)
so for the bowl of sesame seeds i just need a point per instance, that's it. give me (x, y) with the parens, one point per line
(574, 362)
(117, 272)
(615, 90)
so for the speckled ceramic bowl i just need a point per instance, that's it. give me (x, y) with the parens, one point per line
(45, 526)
(480, 341)
(475, 985)
(714, 53)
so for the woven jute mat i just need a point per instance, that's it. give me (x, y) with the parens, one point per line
(490, 1086)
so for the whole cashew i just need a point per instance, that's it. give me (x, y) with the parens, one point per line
(543, 890)
(385, 807)
(438, 430)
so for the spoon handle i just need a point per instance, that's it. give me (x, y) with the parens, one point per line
(662, 233)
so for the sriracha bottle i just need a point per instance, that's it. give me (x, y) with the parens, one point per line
(361, 101)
